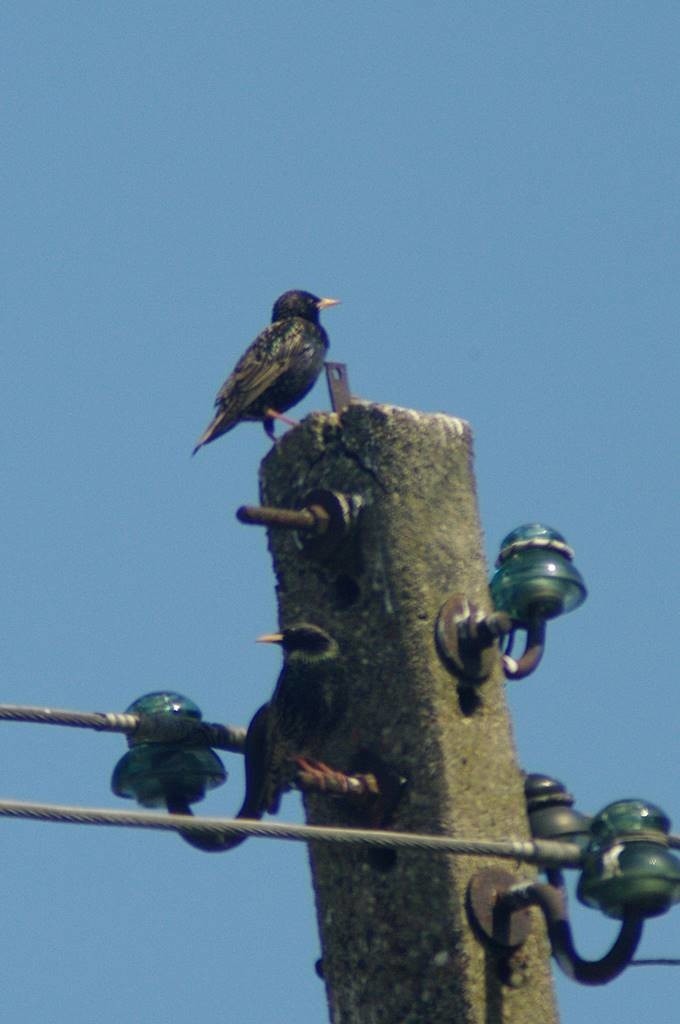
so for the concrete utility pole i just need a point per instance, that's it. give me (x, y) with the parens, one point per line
(397, 944)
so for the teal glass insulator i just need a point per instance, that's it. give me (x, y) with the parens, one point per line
(629, 869)
(152, 773)
(535, 578)
(164, 702)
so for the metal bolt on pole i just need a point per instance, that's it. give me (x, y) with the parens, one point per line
(397, 942)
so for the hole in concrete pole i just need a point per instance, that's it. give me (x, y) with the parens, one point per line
(346, 591)
(468, 700)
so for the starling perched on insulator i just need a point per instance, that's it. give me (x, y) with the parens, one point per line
(284, 734)
(278, 368)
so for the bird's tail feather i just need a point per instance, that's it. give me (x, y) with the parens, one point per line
(218, 426)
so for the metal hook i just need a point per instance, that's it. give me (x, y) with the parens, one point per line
(465, 638)
(495, 900)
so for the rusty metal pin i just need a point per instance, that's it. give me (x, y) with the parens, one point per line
(361, 787)
(313, 517)
(324, 521)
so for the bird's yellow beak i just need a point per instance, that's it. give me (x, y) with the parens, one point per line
(270, 638)
(325, 303)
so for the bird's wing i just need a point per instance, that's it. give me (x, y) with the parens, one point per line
(261, 365)
(258, 763)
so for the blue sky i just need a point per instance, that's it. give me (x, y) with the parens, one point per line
(492, 191)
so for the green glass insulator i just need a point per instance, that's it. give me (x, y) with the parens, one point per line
(628, 869)
(154, 771)
(535, 577)
(626, 817)
(164, 702)
(151, 773)
(158, 708)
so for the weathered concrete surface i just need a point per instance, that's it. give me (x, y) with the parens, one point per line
(397, 945)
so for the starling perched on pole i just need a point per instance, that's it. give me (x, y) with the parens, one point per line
(285, 732)
(277, 370)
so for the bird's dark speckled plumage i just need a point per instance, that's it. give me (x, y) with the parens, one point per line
(278, 368)
(304, 707)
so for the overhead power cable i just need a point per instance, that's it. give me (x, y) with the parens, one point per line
(536, 851)
(221, 737)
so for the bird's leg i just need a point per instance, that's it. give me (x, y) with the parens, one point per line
(270, 415)
(269, 428)
(309, 764)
